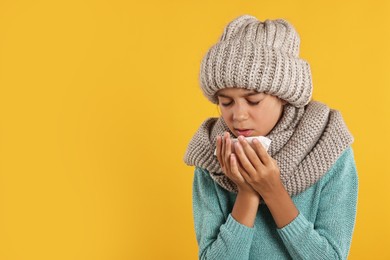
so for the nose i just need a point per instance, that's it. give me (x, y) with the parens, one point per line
(240, 113)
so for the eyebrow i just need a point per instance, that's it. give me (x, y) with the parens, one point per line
(246, 95)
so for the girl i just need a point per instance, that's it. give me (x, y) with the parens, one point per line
(296, 201)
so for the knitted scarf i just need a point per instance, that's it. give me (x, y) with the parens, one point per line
(306, 142)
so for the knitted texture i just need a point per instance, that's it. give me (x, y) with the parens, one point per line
(305, 143)
(260, 56)
(322, 230)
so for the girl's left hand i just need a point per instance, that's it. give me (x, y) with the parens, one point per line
(258, 168)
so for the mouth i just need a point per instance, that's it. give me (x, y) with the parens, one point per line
(244, 132)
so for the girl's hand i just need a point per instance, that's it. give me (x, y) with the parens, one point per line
(230, 165)
(259, 169)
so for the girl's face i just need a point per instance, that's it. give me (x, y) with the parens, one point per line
(249, 113)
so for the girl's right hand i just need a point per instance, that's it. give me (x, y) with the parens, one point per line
(230, 165)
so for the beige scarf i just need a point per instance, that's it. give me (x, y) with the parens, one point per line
(306, 142)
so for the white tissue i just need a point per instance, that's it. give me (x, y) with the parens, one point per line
(266, 142)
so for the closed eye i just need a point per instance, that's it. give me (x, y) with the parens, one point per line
(227, 104)
(253, 103)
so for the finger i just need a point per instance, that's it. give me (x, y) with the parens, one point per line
(223, 150)
(234, 168)
(219, 145)
(244, 174)
(261, 152)
(275, 162)
(227, 151)
(250, 153)
(246, 164)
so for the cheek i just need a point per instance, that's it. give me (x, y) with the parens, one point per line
(266, 118)
(228, 118)
(225, 114)
(228, 121)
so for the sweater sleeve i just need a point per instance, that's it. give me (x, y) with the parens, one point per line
(218, 236)
(329, 237)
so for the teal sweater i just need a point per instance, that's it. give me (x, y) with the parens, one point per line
(322, 230)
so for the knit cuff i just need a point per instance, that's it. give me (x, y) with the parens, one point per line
(295, 229)
(239, 230)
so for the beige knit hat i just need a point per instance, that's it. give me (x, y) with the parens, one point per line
(262, 56)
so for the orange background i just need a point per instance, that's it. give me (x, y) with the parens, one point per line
(99, 99)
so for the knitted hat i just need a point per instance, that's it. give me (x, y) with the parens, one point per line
(260, 56)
